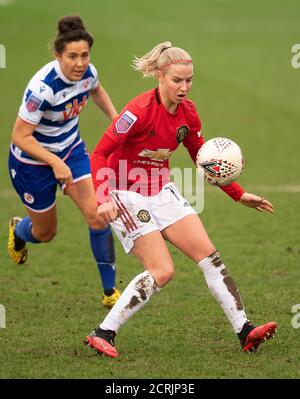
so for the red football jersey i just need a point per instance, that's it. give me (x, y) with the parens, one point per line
(137, 146)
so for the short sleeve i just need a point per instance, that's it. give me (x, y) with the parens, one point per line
(124, 125)
(37, 98)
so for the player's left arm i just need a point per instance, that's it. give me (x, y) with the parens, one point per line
(256, 202)
(238, 194)
(193, 143)
(101, 98)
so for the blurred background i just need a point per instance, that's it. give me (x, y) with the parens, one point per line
(245, 89)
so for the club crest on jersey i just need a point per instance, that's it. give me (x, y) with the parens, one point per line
(182, 132)
(33, 103)
(86, 84)
(28, 198)
(74, 108)
(125, 122)
(144, 216)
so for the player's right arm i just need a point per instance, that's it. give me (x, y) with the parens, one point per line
(107, 210)
(36, 100)
(116, 135)
(22, 137)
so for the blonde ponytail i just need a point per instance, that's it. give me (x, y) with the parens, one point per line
(159, 58)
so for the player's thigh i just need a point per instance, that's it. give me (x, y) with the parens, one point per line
(83, 194)
(35, 184)
(153, 252)
(189, 236)
(139, 234)
(82, 190)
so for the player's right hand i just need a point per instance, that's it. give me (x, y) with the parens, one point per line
(62, 172)
(108, 212)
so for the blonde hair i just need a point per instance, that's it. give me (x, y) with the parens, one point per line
(159, 58)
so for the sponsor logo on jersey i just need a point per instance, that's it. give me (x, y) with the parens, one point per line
(161, 154)
(33, 103)
(125, 122)
(146, 162)
(182, 132)
(144, 216)
(28, 198)
(73, 109)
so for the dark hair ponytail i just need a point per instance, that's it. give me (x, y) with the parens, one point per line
(71, 29)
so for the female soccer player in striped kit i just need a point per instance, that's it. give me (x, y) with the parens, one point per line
(47, 150)
(148, 130)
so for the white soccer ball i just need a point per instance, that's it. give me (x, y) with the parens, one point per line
(220, 160)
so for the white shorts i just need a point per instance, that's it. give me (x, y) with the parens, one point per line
(141, 215)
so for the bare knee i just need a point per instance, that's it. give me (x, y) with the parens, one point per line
(204, 253)
(94, 222)
(45, 235)
(166, 277)
(162, 276)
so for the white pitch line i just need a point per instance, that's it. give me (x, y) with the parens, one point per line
(278, 189)
(188, 190)
(11, 193)
(255, 189)
(6, 2)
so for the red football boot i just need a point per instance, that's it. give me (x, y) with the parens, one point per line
(103, 342)
(251, 337)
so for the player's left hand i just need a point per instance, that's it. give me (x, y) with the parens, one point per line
(256, 202)
(108, 212)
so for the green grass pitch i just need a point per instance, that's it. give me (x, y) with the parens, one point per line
(246, 89)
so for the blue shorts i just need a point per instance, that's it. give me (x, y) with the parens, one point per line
(36, 184)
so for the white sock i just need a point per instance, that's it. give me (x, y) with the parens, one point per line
(222, 287)
(135, 296)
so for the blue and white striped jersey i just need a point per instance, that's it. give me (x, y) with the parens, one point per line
(53, 103)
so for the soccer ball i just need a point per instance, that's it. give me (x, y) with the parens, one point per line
(220, 160)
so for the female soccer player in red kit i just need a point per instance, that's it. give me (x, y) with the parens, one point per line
(145, 208)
